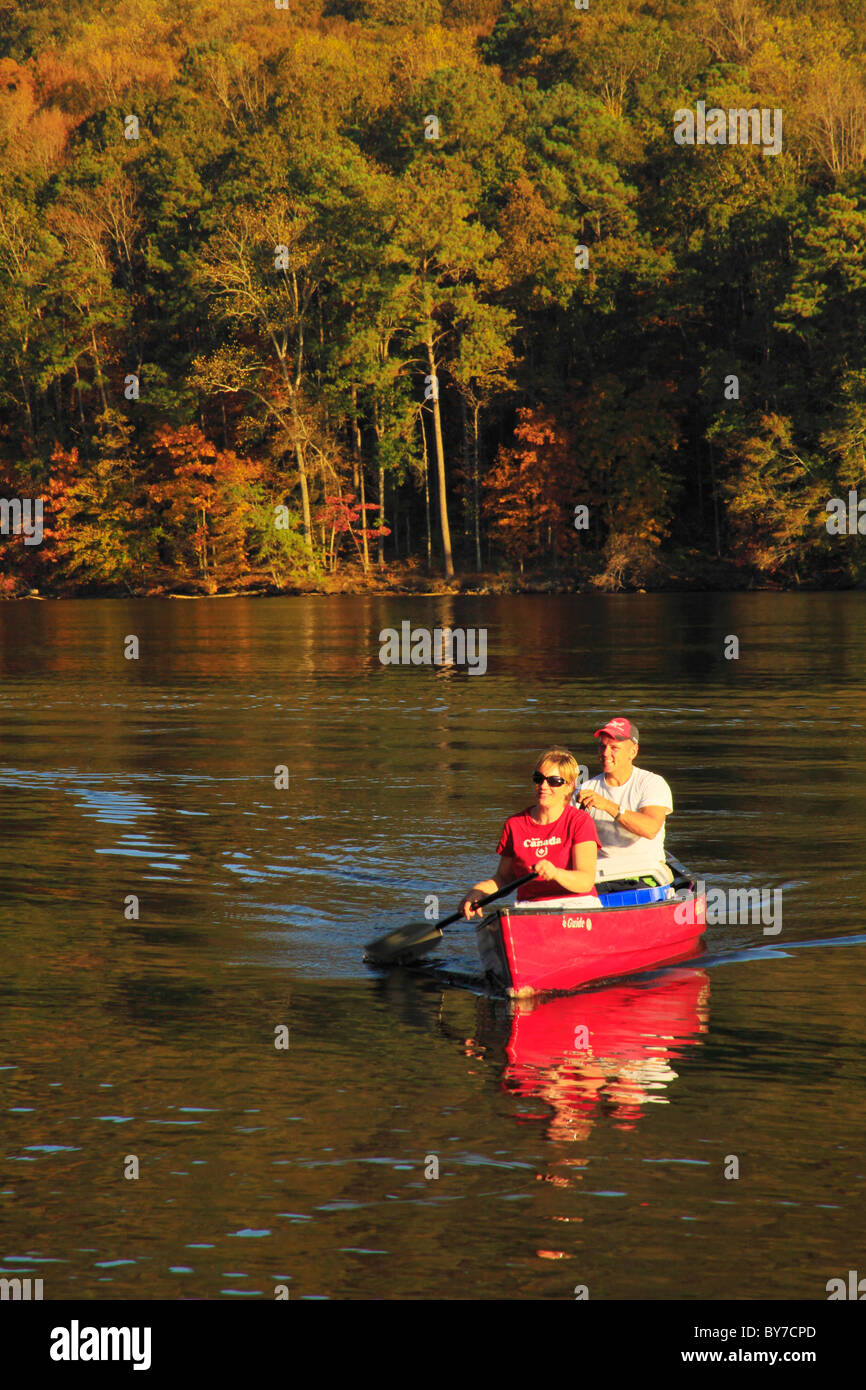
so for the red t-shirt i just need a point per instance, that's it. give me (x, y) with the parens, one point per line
(526, 841)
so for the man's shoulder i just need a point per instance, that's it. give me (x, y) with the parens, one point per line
(644, 774)
(593, 783)
(652, 783)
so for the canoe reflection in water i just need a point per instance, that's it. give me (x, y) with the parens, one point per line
(607, 1052)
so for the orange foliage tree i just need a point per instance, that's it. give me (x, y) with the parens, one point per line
(211, 503)
(97, 528)
(532, 489)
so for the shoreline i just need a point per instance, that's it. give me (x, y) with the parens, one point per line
(409, 583)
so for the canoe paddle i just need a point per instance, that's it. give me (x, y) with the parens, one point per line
(416, 938)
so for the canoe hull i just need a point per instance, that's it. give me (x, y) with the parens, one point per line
(528, 949)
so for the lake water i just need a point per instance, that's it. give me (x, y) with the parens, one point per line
(150, 1042)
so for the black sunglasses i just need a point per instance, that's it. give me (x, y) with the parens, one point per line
(539, 777)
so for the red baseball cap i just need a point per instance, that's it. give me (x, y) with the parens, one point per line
(618, 728)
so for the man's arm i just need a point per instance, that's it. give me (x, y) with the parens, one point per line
(647, 822)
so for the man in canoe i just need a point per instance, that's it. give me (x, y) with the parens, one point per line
(629, 807)
(553, 839)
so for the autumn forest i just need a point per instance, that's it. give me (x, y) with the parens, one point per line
(297, 294)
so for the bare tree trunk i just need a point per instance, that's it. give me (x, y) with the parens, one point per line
(426, 488)
(377, 429)
(294, 388)
(440, 467)
(358, 473)
(204, 543)
(78, 394)
(305, 495)
(364, 518)
(356, 438)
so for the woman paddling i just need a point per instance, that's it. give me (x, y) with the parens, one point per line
(552, 838)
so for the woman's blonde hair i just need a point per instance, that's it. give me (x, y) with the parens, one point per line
(565, 763)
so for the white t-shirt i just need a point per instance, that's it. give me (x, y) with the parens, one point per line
(623, 854)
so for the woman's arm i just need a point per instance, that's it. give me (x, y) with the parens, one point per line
(580, 879)
(504, 874)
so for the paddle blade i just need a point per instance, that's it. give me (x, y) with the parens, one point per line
(415, 939)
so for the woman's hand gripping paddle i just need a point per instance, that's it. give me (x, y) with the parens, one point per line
(416, 938)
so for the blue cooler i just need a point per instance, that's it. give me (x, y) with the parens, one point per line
(633, 897)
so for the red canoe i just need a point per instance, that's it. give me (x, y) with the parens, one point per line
(532, 949)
